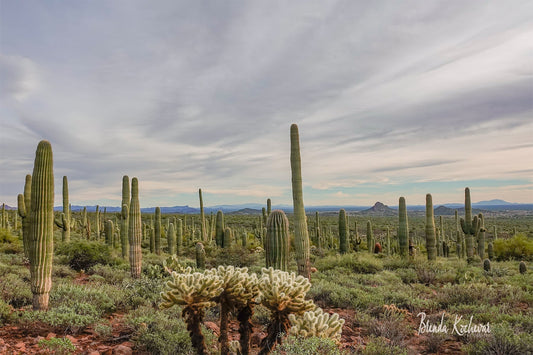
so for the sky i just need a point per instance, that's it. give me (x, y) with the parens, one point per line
(392, 98)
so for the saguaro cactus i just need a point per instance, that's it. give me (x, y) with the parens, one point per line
(219, 229)
(124, 215)
(65, 216)
(108, 231)
(301, 236)
(470, 226)
(277, 241)
(481, 237)
(369, 237)
(135, 230)
(179, 237)
(171, 238)
(431, 242)
(157, 228)
(403, 229)
(203, 231)
(200, 256)
(228, 238)
(343, 241)
(24, 206)
(41, 226)
(97, 222)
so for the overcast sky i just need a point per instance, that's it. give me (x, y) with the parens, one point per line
(392, 98)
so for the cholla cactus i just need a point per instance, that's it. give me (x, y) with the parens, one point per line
(282, 293)
(240, 289)
(194, 291)
(317, 324)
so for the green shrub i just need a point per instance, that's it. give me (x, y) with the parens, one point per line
(143, 291)
(68, 319)
(15, 290)
(502, 340)
(114, 275)
(58, 346)
(67, 294)
(358, 263)
(162, 331)
(234, 255)
(6, 236)
(518, 247)
(307, 346)
(380, 346)
(5, 312)
(82, 254)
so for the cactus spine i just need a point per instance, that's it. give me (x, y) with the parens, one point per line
(277, 241)
(24, 206)
(403, 229)
(124, 215)
(135, 230)
(343, 243)
(369, 237)
(430, 230)
(219, 229)
(301, 236)
(41, 226)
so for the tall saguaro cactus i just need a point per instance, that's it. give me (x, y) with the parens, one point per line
(343, 238)
(202, 218)
(41, 226)
(403, 229)
(124, 215)
(369, 237)
(24, 205)
(135, 230)
(219, 229)
(277, 241)
(431, 243)
(171, 239)
(301, 236)
(157, 230)
(469, 225)
(65, 216)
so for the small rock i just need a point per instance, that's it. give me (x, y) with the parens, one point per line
(212, 327)
(122, 350)
(72, 339)
(20, 346)
(50, 336)
(94, 353)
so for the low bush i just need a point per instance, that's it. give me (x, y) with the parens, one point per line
(82, 254)
(304, 346)
(518, 247)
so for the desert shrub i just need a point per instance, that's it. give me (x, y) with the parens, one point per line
(162, 331)
(5, 312)
(67, 294)
(518, 247)
(407, 276)
(11, 245)
(433, 342)
(112, 274)
(82, 254)
(6, 236)
(63, 271)
(15, 290)
(58, 346)
(358, 263)
(71, 318)
(307, 346)
(234, 255)
(143, 291)
(474, 293)
(103, 328)
(502, 340)
(380, 346)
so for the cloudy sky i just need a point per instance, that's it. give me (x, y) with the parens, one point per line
(392, 98)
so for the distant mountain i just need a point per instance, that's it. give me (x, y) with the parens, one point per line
(494, 202)
(444, 211)
(379, 209)
(246, 211)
